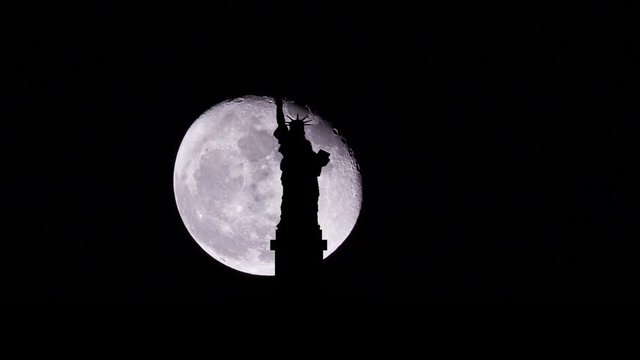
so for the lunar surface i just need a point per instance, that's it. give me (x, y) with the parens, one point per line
(227, 182)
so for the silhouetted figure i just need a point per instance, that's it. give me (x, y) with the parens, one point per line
(298, 245)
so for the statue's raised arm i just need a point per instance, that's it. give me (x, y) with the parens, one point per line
(281, 131)
(279, 112)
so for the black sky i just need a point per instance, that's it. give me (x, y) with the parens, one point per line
(498, 146)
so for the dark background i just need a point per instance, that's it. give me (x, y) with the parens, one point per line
(498, 146)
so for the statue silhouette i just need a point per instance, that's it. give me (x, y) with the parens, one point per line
(298, 245)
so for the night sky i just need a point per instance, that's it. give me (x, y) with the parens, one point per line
(498, 146)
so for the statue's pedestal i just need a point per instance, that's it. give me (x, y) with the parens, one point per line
(299, 255)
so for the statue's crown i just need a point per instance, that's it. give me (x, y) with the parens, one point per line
(298, 121)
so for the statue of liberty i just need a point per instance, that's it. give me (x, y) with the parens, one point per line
(298, 235)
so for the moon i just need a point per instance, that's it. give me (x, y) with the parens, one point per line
(227, 186)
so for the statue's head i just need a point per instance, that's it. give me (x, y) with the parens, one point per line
(296, 126)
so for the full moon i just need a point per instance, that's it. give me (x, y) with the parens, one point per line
(227, 182)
